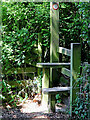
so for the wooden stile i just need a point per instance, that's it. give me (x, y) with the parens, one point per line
(39, 56)
(50, 75)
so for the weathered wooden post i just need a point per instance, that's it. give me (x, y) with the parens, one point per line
(39, 47)
(39, 54)
(54, 44)
(75, 69)
(45, 84)
(45, 79)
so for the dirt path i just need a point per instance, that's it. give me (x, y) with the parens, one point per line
(29, 111)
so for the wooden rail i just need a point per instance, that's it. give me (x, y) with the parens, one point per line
(64, 51)
(65, 71)
(55, 90)
(52, 65)
(21, 70)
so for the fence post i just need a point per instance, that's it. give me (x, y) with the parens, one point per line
(75, 69)
(45, 79)
(54, 44)
(45, 84)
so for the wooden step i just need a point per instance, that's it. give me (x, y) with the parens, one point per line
(53, 65)
(55, 90)
(65, 71)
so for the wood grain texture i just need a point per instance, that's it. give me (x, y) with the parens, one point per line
(65, 71)
(55, 90)
(53, 65)
(64, 51)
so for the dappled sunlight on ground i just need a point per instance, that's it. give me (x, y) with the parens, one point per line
(29, 106)
(30, 110)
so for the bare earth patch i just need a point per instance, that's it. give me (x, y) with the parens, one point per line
(31, 111)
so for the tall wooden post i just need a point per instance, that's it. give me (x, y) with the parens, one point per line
(75, 69)
(54, 44)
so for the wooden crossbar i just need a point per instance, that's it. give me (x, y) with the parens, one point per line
(53, 65)
(21, 70)
(65, 71)
(64, 51)
(55, 90)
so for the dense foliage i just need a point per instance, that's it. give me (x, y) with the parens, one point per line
(81, 104)
(21, 23)
(74, 22)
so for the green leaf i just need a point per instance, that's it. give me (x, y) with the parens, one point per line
(57, 96)
(76, 112)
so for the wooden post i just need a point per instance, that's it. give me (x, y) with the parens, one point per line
(75, 69)
(45, 84)
(39, 47)
(45, 79)
(54, 44)
(39, 55)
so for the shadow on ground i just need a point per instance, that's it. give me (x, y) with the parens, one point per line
(16, 114)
